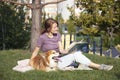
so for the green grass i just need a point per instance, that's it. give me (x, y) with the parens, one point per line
(9, 58)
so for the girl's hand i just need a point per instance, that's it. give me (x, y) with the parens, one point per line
(64, 51)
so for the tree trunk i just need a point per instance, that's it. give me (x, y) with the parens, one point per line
(36, 24)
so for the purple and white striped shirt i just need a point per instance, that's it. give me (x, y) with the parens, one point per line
(45, 43)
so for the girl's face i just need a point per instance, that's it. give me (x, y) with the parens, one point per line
(54, 28)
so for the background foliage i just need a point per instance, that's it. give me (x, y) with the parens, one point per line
(99, 17)
(14, 33)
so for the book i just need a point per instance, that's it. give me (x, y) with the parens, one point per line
(78, 46)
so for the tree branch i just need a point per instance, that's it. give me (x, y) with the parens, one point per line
(17, 3)
(56, 2)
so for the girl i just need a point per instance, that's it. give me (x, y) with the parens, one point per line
(50, 39)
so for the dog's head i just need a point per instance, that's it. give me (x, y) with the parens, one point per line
(51, 57)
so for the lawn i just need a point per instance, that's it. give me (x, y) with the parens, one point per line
(9, 58)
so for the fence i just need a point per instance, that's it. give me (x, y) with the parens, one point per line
(94, 43)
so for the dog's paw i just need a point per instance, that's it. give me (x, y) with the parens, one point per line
(50, 69)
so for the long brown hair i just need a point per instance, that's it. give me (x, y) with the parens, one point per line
(48, 24)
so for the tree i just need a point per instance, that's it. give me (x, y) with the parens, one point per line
(70, 22)
(60, 21)
(36, 7)
(102, 14)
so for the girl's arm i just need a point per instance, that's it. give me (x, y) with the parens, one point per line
(35, 52)
(63, 51)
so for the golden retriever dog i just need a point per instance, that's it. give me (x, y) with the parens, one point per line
(45, 62)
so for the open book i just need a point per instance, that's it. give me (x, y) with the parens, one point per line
(78, 46)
